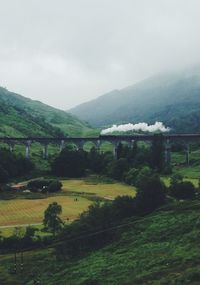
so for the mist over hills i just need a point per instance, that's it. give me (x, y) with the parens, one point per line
(20, 117)
(173, 98)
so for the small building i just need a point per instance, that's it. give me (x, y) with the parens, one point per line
(18, 187)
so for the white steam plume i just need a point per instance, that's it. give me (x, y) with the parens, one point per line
(158, 126)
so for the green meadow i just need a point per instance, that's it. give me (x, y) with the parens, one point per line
(75, 197)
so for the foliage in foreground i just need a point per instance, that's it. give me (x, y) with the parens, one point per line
(160, 249)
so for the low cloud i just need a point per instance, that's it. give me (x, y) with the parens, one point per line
(158, 126)
(67, 52)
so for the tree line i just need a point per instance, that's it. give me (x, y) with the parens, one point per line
(76, 163)
(13, 166)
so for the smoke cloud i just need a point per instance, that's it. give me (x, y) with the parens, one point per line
(158, 126)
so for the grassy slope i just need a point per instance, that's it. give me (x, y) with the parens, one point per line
(20, 116)
(162, 248)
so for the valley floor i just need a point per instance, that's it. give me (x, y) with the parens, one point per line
(75, 197)
(159, 249)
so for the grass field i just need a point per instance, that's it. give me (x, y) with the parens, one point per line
(25, 210)
(179, 165)
(194, 181)
(192, 171)
(103, 190)
(9, 231)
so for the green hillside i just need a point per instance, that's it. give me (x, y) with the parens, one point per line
(159, 249)
(20, 116)
(173, 98)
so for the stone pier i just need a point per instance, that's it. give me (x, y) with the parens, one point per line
(45, 151)
(62, 145)
(115, 147)
(98, 145)
(187, 154)
(167, 153)
(80, 145)
(11, 147)
(28, 149)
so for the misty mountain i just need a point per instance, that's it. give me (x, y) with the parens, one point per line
(20, 116)
(173, 98)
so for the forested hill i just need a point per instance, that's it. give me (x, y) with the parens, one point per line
(20, 116)
(173, 98)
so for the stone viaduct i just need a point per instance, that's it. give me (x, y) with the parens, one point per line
(169, 139)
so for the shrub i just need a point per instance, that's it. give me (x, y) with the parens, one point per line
(151, 194)
(38, 184)
(44, 185)
(54, 186)
(90, 282)
(117, 168)
(158, 152)
(144, 174)
(3, 175)
(52, 221)
(130, 177)
(176, 178)
(123, 207)
(182, 190)
(70, 163)
(12, 165)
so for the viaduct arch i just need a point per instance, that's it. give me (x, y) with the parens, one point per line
(168, 140)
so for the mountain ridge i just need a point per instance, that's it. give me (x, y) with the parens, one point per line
(21, 116)
(148, 101)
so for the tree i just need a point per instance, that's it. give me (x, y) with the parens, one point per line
(29, 236)
(52, 221)
(123, 207)
(70, 163)
(175, 179)
(182, 190)
(3, 175)
(144, 174)
(12, 165)
(117, 168)
(158, 152)
(124, 151)
(30, 232)
(131, 176)
(120, 151)
(142, 156)
(54, 186)
(95, 160)
(151, 194)
(134, 150)
(44, 185)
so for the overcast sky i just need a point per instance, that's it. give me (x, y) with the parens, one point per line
(65, 52)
